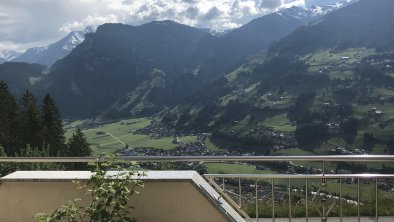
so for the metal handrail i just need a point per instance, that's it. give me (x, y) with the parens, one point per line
(298, 176)
(324, 158)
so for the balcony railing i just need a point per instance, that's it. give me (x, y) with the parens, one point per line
(323, 159)
(314, 193)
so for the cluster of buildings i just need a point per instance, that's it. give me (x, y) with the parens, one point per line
(343, 151)
(196, 148)
(382, 61)
(156, 130)
(281, 140)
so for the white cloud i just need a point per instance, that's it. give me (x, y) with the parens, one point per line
(319, 2)
(271, 4)
(291, 3)
(20, 47)
(23, 22)
(88, 21)
(8, 45)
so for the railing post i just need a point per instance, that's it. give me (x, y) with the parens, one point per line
(358, 199)
(273, 199)
(257, 202)
(376, 201)
(340, 200)
(324, 218)
(323, 184)
(306, 199)
(323, 180)
(239, 193)
(289, 200)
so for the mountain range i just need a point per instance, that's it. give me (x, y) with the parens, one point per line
(47, 55)
(360, 29)
(123, 70)
(363, 24)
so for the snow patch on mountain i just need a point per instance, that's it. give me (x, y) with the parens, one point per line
(216, 33)
(8, 55)
(302, 13)
(75, 38)
(313, 11)
(37, 50)
(48, 55)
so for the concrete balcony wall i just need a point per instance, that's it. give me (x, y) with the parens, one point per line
(173, 196)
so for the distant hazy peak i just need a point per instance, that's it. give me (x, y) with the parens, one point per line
(8, 55)
(47, 55)
(89, 29)
(75, 38)
(308, 12)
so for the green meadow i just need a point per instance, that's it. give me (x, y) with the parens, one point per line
(122, 132)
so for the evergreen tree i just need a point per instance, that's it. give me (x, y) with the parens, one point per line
(52, 128)
(2, 152)
(350, 129)
(5, 168)
(30, 124)
(78, 146)
(8, 121)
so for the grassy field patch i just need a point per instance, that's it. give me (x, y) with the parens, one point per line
(211, 146)
(292, 152)
(110, 137)
(280, 123)
(230, 168)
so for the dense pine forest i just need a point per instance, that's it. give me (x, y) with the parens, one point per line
(29, 129)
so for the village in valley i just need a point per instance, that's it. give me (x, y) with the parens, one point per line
(282, 141)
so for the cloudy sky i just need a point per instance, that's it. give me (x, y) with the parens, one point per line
(28, 23)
